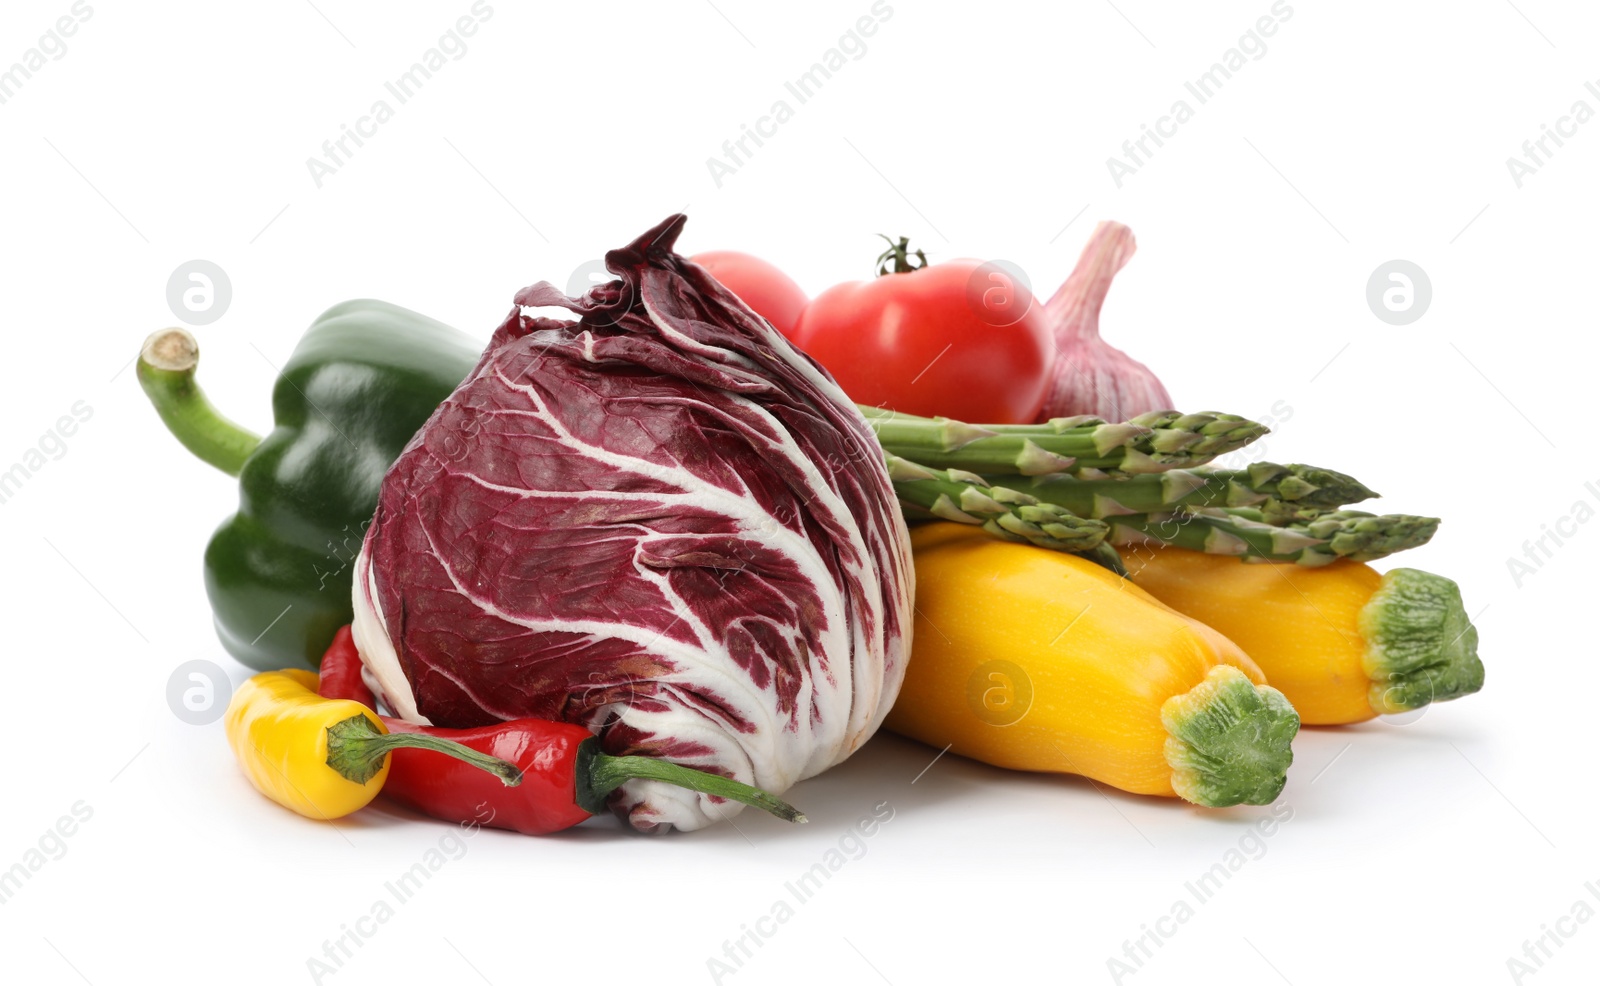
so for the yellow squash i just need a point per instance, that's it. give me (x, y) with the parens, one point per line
(1039, 660)
(323, 758)
(1343, 642)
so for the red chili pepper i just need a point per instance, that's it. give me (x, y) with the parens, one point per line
(565, 777)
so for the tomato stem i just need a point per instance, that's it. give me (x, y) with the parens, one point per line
(899, 256)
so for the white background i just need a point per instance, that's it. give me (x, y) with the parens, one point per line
(1367, 132)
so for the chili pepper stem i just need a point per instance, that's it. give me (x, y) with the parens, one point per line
(601, 773)
(166, 367)
(356, 748)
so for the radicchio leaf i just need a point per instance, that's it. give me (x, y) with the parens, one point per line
(661, 521)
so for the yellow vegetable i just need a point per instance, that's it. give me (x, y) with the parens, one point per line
(1343, 642)
(323, 758)
(1039, 660)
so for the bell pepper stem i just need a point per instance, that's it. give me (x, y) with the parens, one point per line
(357, 747)
(166, 372)
(601, 773)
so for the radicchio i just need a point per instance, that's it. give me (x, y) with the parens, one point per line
(661, 521)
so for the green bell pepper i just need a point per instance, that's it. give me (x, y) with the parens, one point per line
(362, 381)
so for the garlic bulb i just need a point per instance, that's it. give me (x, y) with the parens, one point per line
(1090, 376)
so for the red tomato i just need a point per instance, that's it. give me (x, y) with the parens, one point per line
(767, 290)
(963, 339)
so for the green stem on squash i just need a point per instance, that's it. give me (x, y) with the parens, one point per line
(1421, 645)
(1228, 740)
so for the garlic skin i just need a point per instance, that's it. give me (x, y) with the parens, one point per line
(1089, 375)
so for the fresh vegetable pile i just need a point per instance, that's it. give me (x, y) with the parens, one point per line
(651, 558)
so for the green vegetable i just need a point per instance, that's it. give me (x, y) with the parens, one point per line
(360, 383)
(1083, 445)
(1311, 539)
(966, 499)
(1056, 511)
(1281, 490)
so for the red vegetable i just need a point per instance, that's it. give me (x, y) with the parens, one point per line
(656, 519)
(565, 777)
(768, 291)
(960, 339)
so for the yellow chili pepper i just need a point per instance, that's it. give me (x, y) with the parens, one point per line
(323, 758)
(1342, 641)
(1034, 659)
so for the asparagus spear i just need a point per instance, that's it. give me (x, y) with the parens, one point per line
(1151, 443)
(1362, 536)
(1276, 530)
(1283, 491)
(968, 499)
(1311, 540)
